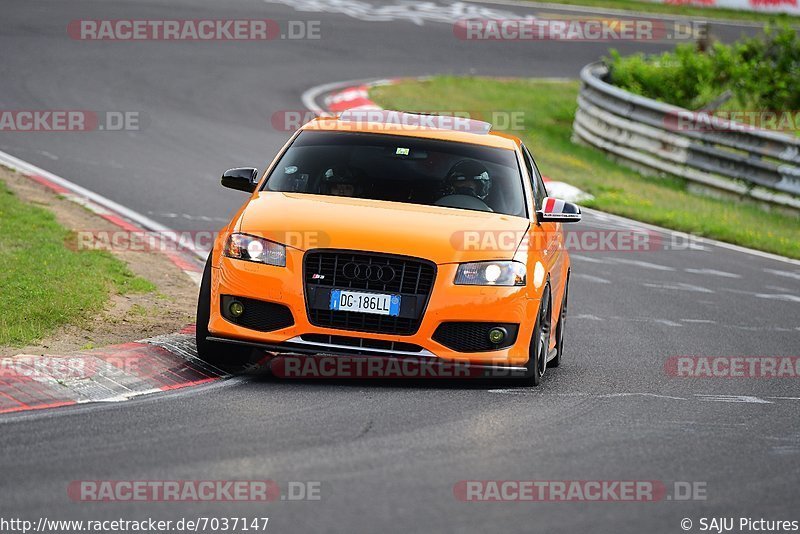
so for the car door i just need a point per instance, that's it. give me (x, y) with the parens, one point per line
(552, 238)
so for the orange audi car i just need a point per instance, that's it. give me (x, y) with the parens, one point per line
(394, 235)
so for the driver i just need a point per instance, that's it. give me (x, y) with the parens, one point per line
(468, 177)
(339, 182)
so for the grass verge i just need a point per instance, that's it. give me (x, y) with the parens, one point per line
(700, 13)
(44, 281)
(548, 110)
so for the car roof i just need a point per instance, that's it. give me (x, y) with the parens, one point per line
(388, 122)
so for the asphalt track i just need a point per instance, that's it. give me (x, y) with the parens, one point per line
(388, 454)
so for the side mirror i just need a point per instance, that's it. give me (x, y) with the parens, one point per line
(241, 179)
(555, 210)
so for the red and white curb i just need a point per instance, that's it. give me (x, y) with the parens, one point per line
(111, 374)
(114, 373)
(351, 98)
(342, 96)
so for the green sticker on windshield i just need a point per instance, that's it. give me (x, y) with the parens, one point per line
(402, 151)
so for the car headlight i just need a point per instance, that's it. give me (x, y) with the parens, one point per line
(491, 273)
(251, 248)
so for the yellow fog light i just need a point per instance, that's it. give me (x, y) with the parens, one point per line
(236, 308)
(497, 335)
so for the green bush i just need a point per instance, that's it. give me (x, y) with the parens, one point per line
(762, 73)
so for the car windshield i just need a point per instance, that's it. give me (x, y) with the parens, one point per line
(401, 169)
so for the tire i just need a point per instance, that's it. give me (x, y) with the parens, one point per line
(226, 356)
(540, 343)
(562, 319)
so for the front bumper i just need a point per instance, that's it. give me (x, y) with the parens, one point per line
(447, 303)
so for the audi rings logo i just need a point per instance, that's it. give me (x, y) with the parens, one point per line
(368, 272)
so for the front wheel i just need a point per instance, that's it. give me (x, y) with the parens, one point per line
(540, 343)
(224, 355)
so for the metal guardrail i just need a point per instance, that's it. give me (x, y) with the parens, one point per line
(661, 138)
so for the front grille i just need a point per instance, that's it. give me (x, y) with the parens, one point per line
(258, 314)
(361, 342)
(411, 278)
(473, 337)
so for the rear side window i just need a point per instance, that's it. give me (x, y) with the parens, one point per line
(539, 191)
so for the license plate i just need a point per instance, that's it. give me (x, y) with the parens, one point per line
(356, 301)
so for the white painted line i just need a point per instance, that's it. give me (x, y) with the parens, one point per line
(590, 278)
(747, 399)
(643, 264)
(733, 398)
(522, 391)
(713, 272)
(654, 395)
(588, 259)
(667, 322)
(788, 274)
(684, 235)
(586, 316)
(778, 296)
(678, 286)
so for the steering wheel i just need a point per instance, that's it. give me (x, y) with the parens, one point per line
(468, 202)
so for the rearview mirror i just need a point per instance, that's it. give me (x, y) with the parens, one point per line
(555, 210)
(241, 179)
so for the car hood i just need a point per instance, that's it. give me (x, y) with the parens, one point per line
(442, 235)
